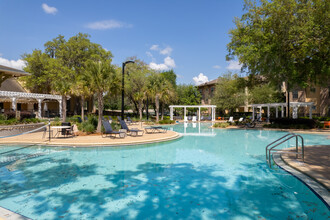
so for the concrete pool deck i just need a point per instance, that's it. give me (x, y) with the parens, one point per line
(91, 140)
(316, 165)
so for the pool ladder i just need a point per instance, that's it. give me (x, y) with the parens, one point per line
(270, 147)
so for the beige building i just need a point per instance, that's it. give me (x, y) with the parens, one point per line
(320, 96)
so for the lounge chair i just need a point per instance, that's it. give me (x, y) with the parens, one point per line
(241, 119)
(119, 118)
(131, 121)
(155, 129)
(189, 118)
(110, 119)
(108, 130)
(194, 118)
(203, 118)
(231, 119)
(209, 118)
(79, 120)
(133, 132)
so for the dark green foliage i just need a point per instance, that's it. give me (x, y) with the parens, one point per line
(289, 123)
(166, 121)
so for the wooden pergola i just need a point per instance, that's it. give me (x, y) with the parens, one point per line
(193, 106)
(294, 105)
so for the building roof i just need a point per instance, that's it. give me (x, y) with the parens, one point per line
(11, 85)
(12, 71)
(209, 83)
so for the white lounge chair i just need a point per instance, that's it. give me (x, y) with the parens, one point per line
(231, 119)
(194, 118)
(240, 120)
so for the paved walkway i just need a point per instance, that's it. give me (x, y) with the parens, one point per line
(317, 163)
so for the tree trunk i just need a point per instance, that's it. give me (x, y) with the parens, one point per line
(287, 100)
(162, 111)
(63, 108)
(82, 107)
(100, 110)
(140, 109)
(157, 108)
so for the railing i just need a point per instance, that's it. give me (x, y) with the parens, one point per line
(270, 147)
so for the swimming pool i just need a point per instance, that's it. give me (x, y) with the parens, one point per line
(207, 174)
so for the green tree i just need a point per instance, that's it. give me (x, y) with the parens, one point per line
(284, 40)
(188, 95)
(264, 93)
(229, 93)
(170, 76)
(136, 84)
(99, 76)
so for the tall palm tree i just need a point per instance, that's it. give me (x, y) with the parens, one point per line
(159, 88)
(99, 76)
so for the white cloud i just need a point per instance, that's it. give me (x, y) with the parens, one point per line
(107, 24)
(167, 51)
(154, 47)
(217, 67)
(17, 64)
(233, 65)
(149, 54)
(48, 9)
(169, 63)
(200, 79)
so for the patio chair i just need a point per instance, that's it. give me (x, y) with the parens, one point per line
(108, 130)
(133, 132)
(231, 119)
(189, 118)
(67, 131)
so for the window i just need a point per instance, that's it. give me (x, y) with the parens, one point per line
(295, 94)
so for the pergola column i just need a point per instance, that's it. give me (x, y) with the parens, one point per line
(282, 111)
(310, 112)
(295, 112)
(260, 113)
(184, 114)
(253, 113)
(268, 113)
(13, 103)
(276, 111)
(199, 113)
(171, 113)
(39, 108)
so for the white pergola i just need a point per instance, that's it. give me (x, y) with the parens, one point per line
(15, 96)
(294, 105)
(193, 106)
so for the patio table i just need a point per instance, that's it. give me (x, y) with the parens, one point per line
(59, 129)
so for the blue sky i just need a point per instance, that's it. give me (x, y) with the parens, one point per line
(189, 36)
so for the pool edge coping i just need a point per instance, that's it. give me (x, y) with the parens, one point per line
(10, 215)
(318, 189)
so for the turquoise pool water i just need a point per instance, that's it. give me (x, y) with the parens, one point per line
(207, 174)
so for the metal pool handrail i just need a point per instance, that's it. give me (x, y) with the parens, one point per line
(287, 137)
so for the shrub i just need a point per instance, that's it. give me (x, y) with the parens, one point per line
(89, 128)
(294, 123)
(2, 117)
(221, 125)
(166, 121)
(10, 115)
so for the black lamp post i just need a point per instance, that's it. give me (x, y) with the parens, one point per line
(122, 88)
